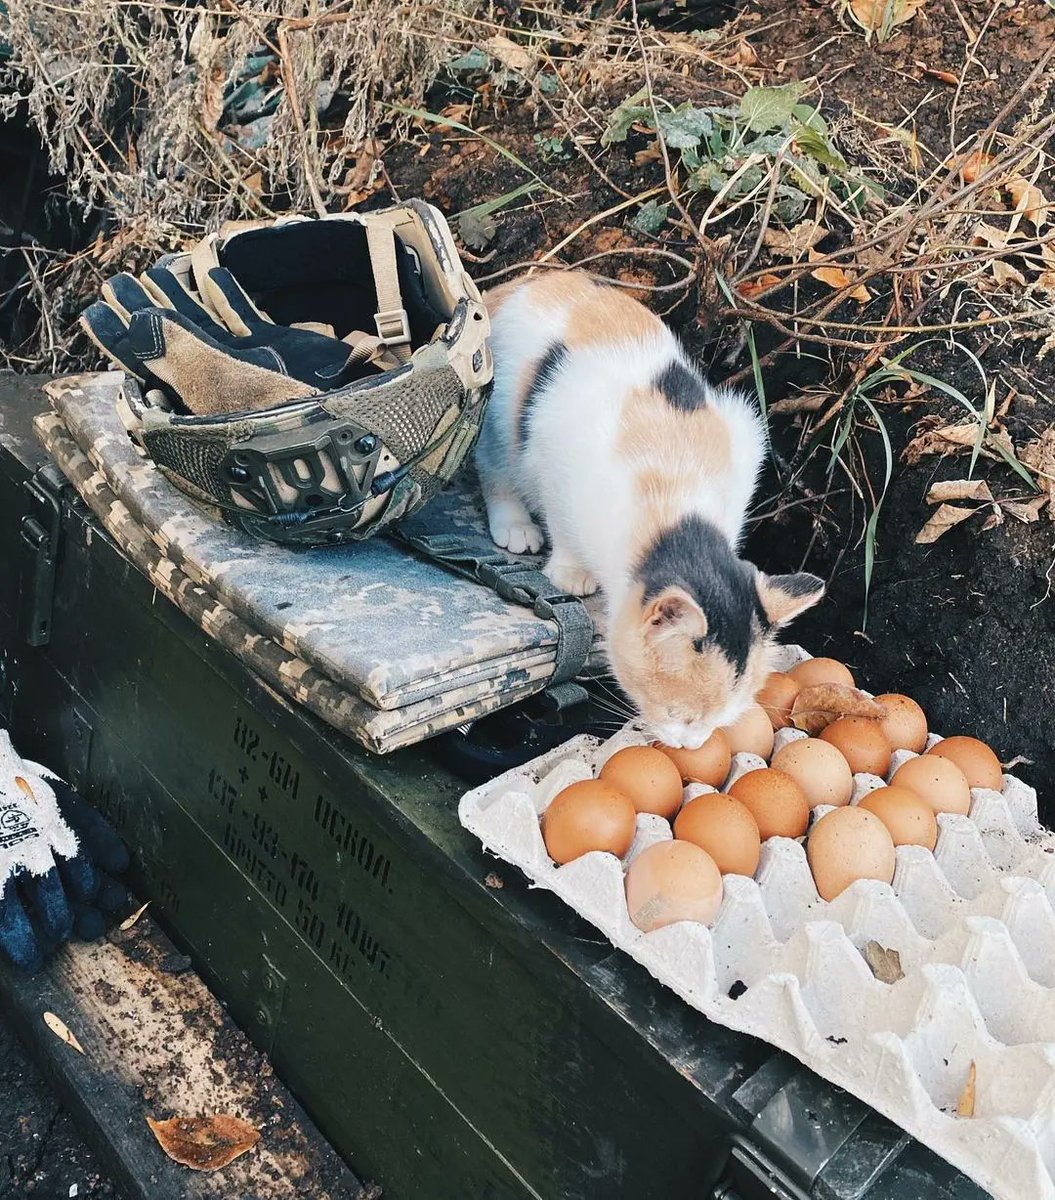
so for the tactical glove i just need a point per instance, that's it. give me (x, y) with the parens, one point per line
(56, 859)
(217, 357)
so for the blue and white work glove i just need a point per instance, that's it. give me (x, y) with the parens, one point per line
(57, 859)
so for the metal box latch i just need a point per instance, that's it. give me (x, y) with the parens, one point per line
(40, 531)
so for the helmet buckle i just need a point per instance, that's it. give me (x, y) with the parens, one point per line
(393, 327)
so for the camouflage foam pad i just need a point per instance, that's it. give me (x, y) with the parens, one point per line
(386, 629)
(378, 730)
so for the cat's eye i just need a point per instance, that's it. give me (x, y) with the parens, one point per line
(697, 645)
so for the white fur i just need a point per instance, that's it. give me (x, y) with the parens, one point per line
(571, 473)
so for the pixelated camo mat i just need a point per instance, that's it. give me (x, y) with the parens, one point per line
(386, 646)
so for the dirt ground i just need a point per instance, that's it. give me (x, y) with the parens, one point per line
(966, 625)
(41, 1153)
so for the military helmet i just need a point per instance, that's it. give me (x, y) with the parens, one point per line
(313, 464)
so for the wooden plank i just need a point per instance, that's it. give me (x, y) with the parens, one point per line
(157, 1043)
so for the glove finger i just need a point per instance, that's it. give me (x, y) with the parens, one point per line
(47, 905)
(106, 329)
(169, 292)
(210, 378)
(126, 295)
(224, 294)
(80, 879)
(98, 838)
(89, 924)
(112, 895)
(18, 938)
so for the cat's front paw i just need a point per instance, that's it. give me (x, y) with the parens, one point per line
(571, 578)
(518, 537)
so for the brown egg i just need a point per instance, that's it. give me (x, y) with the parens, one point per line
(777, 696)
(861, 742)
(909, 818)
(905, 723)
(648, 777)
(821, 670)
(590, 815)
(752, 734)
(974, 758)
(818, 768)
(848, 844)
(710, 764)
(724, 828)
(937, 780)
(775, 800)
(672, 881)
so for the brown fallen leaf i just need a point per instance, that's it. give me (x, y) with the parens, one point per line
(752, 287)
(1040, 456)
(945, 439)
(876, 15)
(651, 153)
(1028, 200)
(995, 519)
(62, 1031)
(128, 922)
(795, 242)
(744, 54)
(968, 1098)
(204, 1143)
(959, 489)
(947, 517)
(1045, 282)
(973, 166)
(1025, 511)
(884, 964)
(1004, 273)
(804, 402)
(509, 54)
(836, 278)
(948, 77)
(816, 707)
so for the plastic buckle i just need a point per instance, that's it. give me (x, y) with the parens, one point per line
(393, 327)
(544, 605)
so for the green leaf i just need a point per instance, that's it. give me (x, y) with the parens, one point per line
(807, 115)
(767, 108)
(625, 116)
(816, 146)
(472, 60)
(684, 127)
(790, 203)
(748, 181)
(650, 217)
(547, 82)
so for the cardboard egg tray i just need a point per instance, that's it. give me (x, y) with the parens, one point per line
(973, 923)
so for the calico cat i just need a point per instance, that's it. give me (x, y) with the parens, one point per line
(641, 473)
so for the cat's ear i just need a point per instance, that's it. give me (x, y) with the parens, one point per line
(784, 597)
(674, 611)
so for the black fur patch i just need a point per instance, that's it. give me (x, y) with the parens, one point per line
(682, 387)
(693, 555)
(548, 366)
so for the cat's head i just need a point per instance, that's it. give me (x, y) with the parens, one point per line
(693, 639)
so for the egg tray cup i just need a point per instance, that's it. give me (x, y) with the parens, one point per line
(973, 923)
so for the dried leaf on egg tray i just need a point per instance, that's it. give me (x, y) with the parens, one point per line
(965, 1108)
(947, 517)
(884, 964)
(204, 1143)
(816, 707)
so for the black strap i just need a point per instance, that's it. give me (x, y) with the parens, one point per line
(520, 584)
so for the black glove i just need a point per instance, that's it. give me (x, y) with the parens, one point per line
(58, 857)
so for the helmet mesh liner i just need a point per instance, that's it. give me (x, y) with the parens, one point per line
(405, 413)
(194, 458)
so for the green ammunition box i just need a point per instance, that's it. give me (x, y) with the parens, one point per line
(456, 1035)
